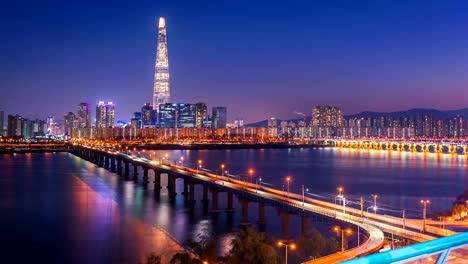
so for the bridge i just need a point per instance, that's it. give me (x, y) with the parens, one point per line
(288, 203)
(433, 146)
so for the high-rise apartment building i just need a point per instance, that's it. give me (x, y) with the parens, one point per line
(84, 115)
(327, 116)
(105, 115)
(161, 74)
(202, 112)
(219, 117)
(70, 121)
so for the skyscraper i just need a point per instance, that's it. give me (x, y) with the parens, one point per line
(202, 111)
(186, 115)
(219, 117)
(167, 115)
(147, 114)
(84, 115)
(161, 74)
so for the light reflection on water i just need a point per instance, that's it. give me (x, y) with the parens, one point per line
(78, 209)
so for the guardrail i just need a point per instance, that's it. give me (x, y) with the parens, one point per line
(440, 248)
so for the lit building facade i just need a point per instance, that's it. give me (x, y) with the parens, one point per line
(219, 117)
(147, 115)
(161, 75)
(84, 115)
(167, 115)
(327, 116)
(186, 116)
(105, 115)
(202, 112)
(1, 123)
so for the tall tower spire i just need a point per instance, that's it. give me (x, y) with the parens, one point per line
(162, 92)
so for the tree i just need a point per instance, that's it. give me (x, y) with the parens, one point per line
(204, 247)
(153, 259)
(185, 258)
(311, 245)
(459, 210)
(252, 247)
(331, 246)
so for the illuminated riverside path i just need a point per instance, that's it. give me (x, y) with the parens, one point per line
(374, 224)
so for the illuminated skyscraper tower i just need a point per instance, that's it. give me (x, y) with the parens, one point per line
(161, 75)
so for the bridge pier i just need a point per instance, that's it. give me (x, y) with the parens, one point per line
(126, 169)
(171, 185)
(119, 166)
(145, 176)
(135, 172)
(106, 162)
(192, 193)
(230, 207)
(245, 212)
(112, 168)
(261, 214)
(284, 224)
(214, 201)
(205, 199)
(157, 181)
(304, 225)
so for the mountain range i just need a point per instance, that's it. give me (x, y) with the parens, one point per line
(437, 114)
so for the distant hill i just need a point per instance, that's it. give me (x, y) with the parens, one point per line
(437, 114)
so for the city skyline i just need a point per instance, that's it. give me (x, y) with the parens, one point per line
(240, 59)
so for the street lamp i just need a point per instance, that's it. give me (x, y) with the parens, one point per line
(375, 202)
(424, 203)
(181, 160)
(288, 180)
(340, 196)
(343, 232)
(200, 162)
(286, 246)
(222, 169)
(251, 172)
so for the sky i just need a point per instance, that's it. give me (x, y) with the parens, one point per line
(261, 59)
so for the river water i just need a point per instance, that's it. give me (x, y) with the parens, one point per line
(60, 208)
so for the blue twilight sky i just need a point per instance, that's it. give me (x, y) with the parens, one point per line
(258, 58)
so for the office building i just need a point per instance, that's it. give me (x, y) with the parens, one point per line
(202, 112)
(219, 117)
(186, 115)
(147, 115)
(14, 129)
(161, 74)
(167, 115)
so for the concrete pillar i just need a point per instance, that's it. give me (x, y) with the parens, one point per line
(284, 224)
(192, 192)
(119, 166)
(106, 162)
(126, 169)
(261, 213)
(135, 171)
(171, 185)
(157, 181)
(304, 225)
(186, 185)
(245, 212)
(214, 201)
(205, 194)
(112, 168)
(230, 207)
(145, 176)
